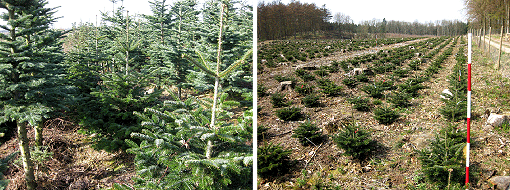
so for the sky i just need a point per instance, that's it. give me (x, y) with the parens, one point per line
(401, 10)
(85, 11)
(76, 11)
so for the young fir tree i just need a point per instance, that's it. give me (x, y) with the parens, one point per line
(108, 111)
(455, 107)
(355, 141)
(443, 162)
(308, 134)
(237, 34)
(175, 153)
(194, 144)
(273, 160)
(32, 86)
(172, 30)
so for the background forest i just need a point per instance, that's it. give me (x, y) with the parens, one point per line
(173, 88)
(276, 20)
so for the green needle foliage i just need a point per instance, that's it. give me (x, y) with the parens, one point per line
(272, 161)
(109, 113)
(290, 114)
(400, 99)
(329, 87)
(355, 141)
(278, 100)
(386, 115)
(311, 100)
(411, 87)
(360, 104)
(305, 75)
(455, 107)
(373, 91)
(303, 89)
(32, 79)
(174, 145)
(196, 143)
(445, 153)
(350, 82)
(308, 134)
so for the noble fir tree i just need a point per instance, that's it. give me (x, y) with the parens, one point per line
(455, 107)
(443, 162)
(172, 30)
(32, 86)
(236, 41)
(195, 144)
(122, 90)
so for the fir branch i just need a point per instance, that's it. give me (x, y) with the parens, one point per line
(200, 65)
(236, 64)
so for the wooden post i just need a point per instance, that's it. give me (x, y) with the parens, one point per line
(500, 48)
(490, 31)
(480, 41)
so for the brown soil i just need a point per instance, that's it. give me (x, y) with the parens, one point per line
(74, 163)
(394, 165)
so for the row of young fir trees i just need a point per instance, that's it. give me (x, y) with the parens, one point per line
(135, 82)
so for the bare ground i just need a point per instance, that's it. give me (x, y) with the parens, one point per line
(74, 163)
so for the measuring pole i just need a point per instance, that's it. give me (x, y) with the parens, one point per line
(468, 110)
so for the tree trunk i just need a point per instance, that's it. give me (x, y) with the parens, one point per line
(38, 133)
(500, 48)
(489, 47)
(25, 155)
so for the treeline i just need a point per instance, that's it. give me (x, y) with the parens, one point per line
(439, 28)
(488, 13)
(277, 20)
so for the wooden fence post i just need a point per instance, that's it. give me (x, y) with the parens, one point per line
(500, 48)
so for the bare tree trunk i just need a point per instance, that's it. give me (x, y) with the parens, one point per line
(490, 39)
(480, 40)
(25, 155)
(38, 133)
(500, 47)
(507, 17)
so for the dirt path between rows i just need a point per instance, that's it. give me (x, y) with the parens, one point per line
(495, 43)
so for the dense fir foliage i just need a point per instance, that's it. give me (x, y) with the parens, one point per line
(444, 158)
(172, 152)
(308, 134)
(278, 100)
(385, 115)
(360, 104)
(32, 77)
(355, 141)
(311, 100)
(122, 63)
(273, 160)
(455, 107)
(123, 69)
(290, 114)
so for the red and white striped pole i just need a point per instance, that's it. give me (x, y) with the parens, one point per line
(468, 110)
